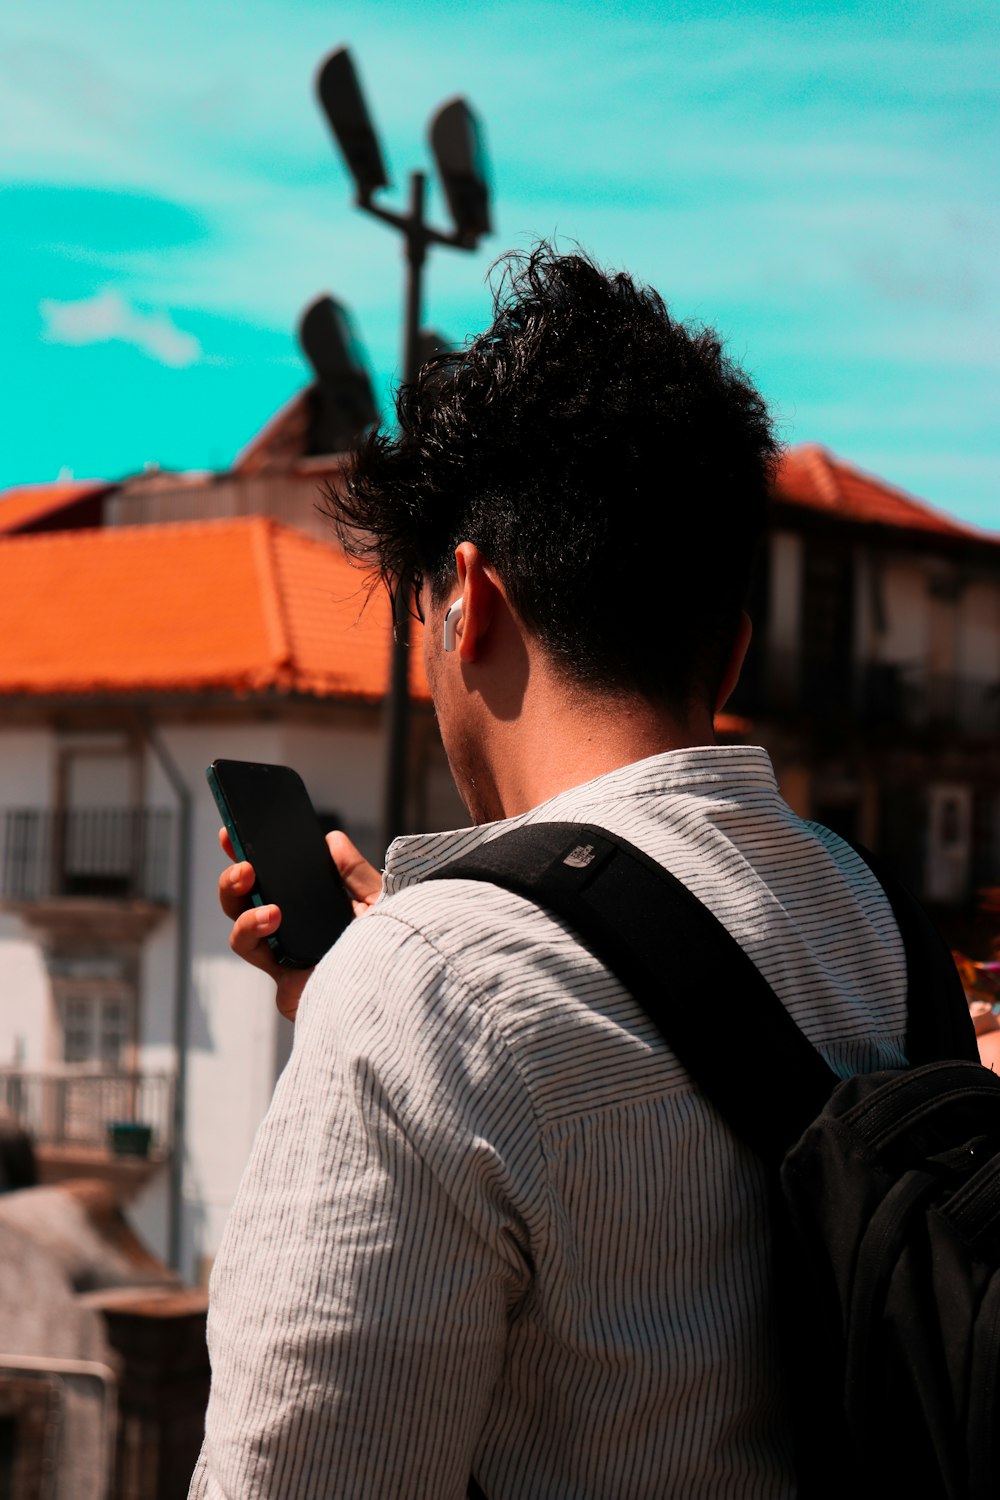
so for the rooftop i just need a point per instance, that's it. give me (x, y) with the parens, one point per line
(253, 607)
(243, 607)
(31, 507)
(811, 476)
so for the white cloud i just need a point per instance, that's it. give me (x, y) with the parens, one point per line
(107, 316)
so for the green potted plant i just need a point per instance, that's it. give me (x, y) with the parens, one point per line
(129, 1137)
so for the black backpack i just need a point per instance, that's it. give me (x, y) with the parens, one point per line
(886, 1186)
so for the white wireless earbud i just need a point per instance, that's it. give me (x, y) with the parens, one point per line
(451, 620)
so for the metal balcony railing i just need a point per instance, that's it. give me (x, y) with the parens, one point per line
(114, 852)
(70, 1108)
(875, 695)
(972, 706)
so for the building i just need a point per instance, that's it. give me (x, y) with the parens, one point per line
(152, 626)
(134, 655)
(874, 677)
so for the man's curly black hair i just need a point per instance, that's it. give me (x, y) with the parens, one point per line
(610, 463)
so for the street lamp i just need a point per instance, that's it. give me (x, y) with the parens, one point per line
(457, 146)
(343, 403)
(460, 154)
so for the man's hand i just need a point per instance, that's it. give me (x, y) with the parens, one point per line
(253, 925)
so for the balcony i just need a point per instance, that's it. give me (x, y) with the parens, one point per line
(88, 874)
(113, 853)
(111, 1124)
(876, 696)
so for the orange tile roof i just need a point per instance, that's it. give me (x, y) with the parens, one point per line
(811, 476)
(733, 726)
(243, 607)
(28, 504)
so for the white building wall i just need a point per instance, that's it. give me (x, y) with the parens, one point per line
(25, 997)
(27, 776)
(237, 1041)
(231, 1017)
(904, 591)
(785, 591)
(27, 768)
(979, 631)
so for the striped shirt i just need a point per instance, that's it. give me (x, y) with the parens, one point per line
(489, 1224)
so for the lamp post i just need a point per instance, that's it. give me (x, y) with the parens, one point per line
(343, 403)
(457, 146)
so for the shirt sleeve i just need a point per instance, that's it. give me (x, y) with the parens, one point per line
(381, 1240)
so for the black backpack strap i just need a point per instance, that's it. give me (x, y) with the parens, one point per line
(939, 1025)
(679, 962)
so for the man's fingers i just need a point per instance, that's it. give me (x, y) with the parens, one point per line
(362, 881)
(235, 885)
(248, 940)
(249, 936)
(253, 925)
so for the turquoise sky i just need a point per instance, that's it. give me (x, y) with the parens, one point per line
(819, 181)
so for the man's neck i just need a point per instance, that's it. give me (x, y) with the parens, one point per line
(565, 738)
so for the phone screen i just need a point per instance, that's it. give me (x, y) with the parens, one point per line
(273, 824)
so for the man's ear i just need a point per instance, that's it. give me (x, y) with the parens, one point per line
(734, 665)
(480, 596)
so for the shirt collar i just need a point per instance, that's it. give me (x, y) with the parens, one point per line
(709, 768)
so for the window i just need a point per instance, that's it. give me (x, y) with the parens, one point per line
(96, 1028)
(97, 1011)
(949, 844)
(96, 1002)
(827, 621)
(98, 833)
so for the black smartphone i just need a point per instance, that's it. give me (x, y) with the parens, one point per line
(272, 823)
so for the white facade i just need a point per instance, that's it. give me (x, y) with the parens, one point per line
(911, 609)
(237, 1042)
(919, 669)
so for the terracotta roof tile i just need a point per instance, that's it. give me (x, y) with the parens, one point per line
(733, 727)
(247, 606)
(28, 504)
(811, 476)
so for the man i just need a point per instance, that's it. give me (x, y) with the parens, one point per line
(490, 1227)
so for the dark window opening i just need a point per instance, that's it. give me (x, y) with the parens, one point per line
(827, 622)
(8, 1453)
(842, 817)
